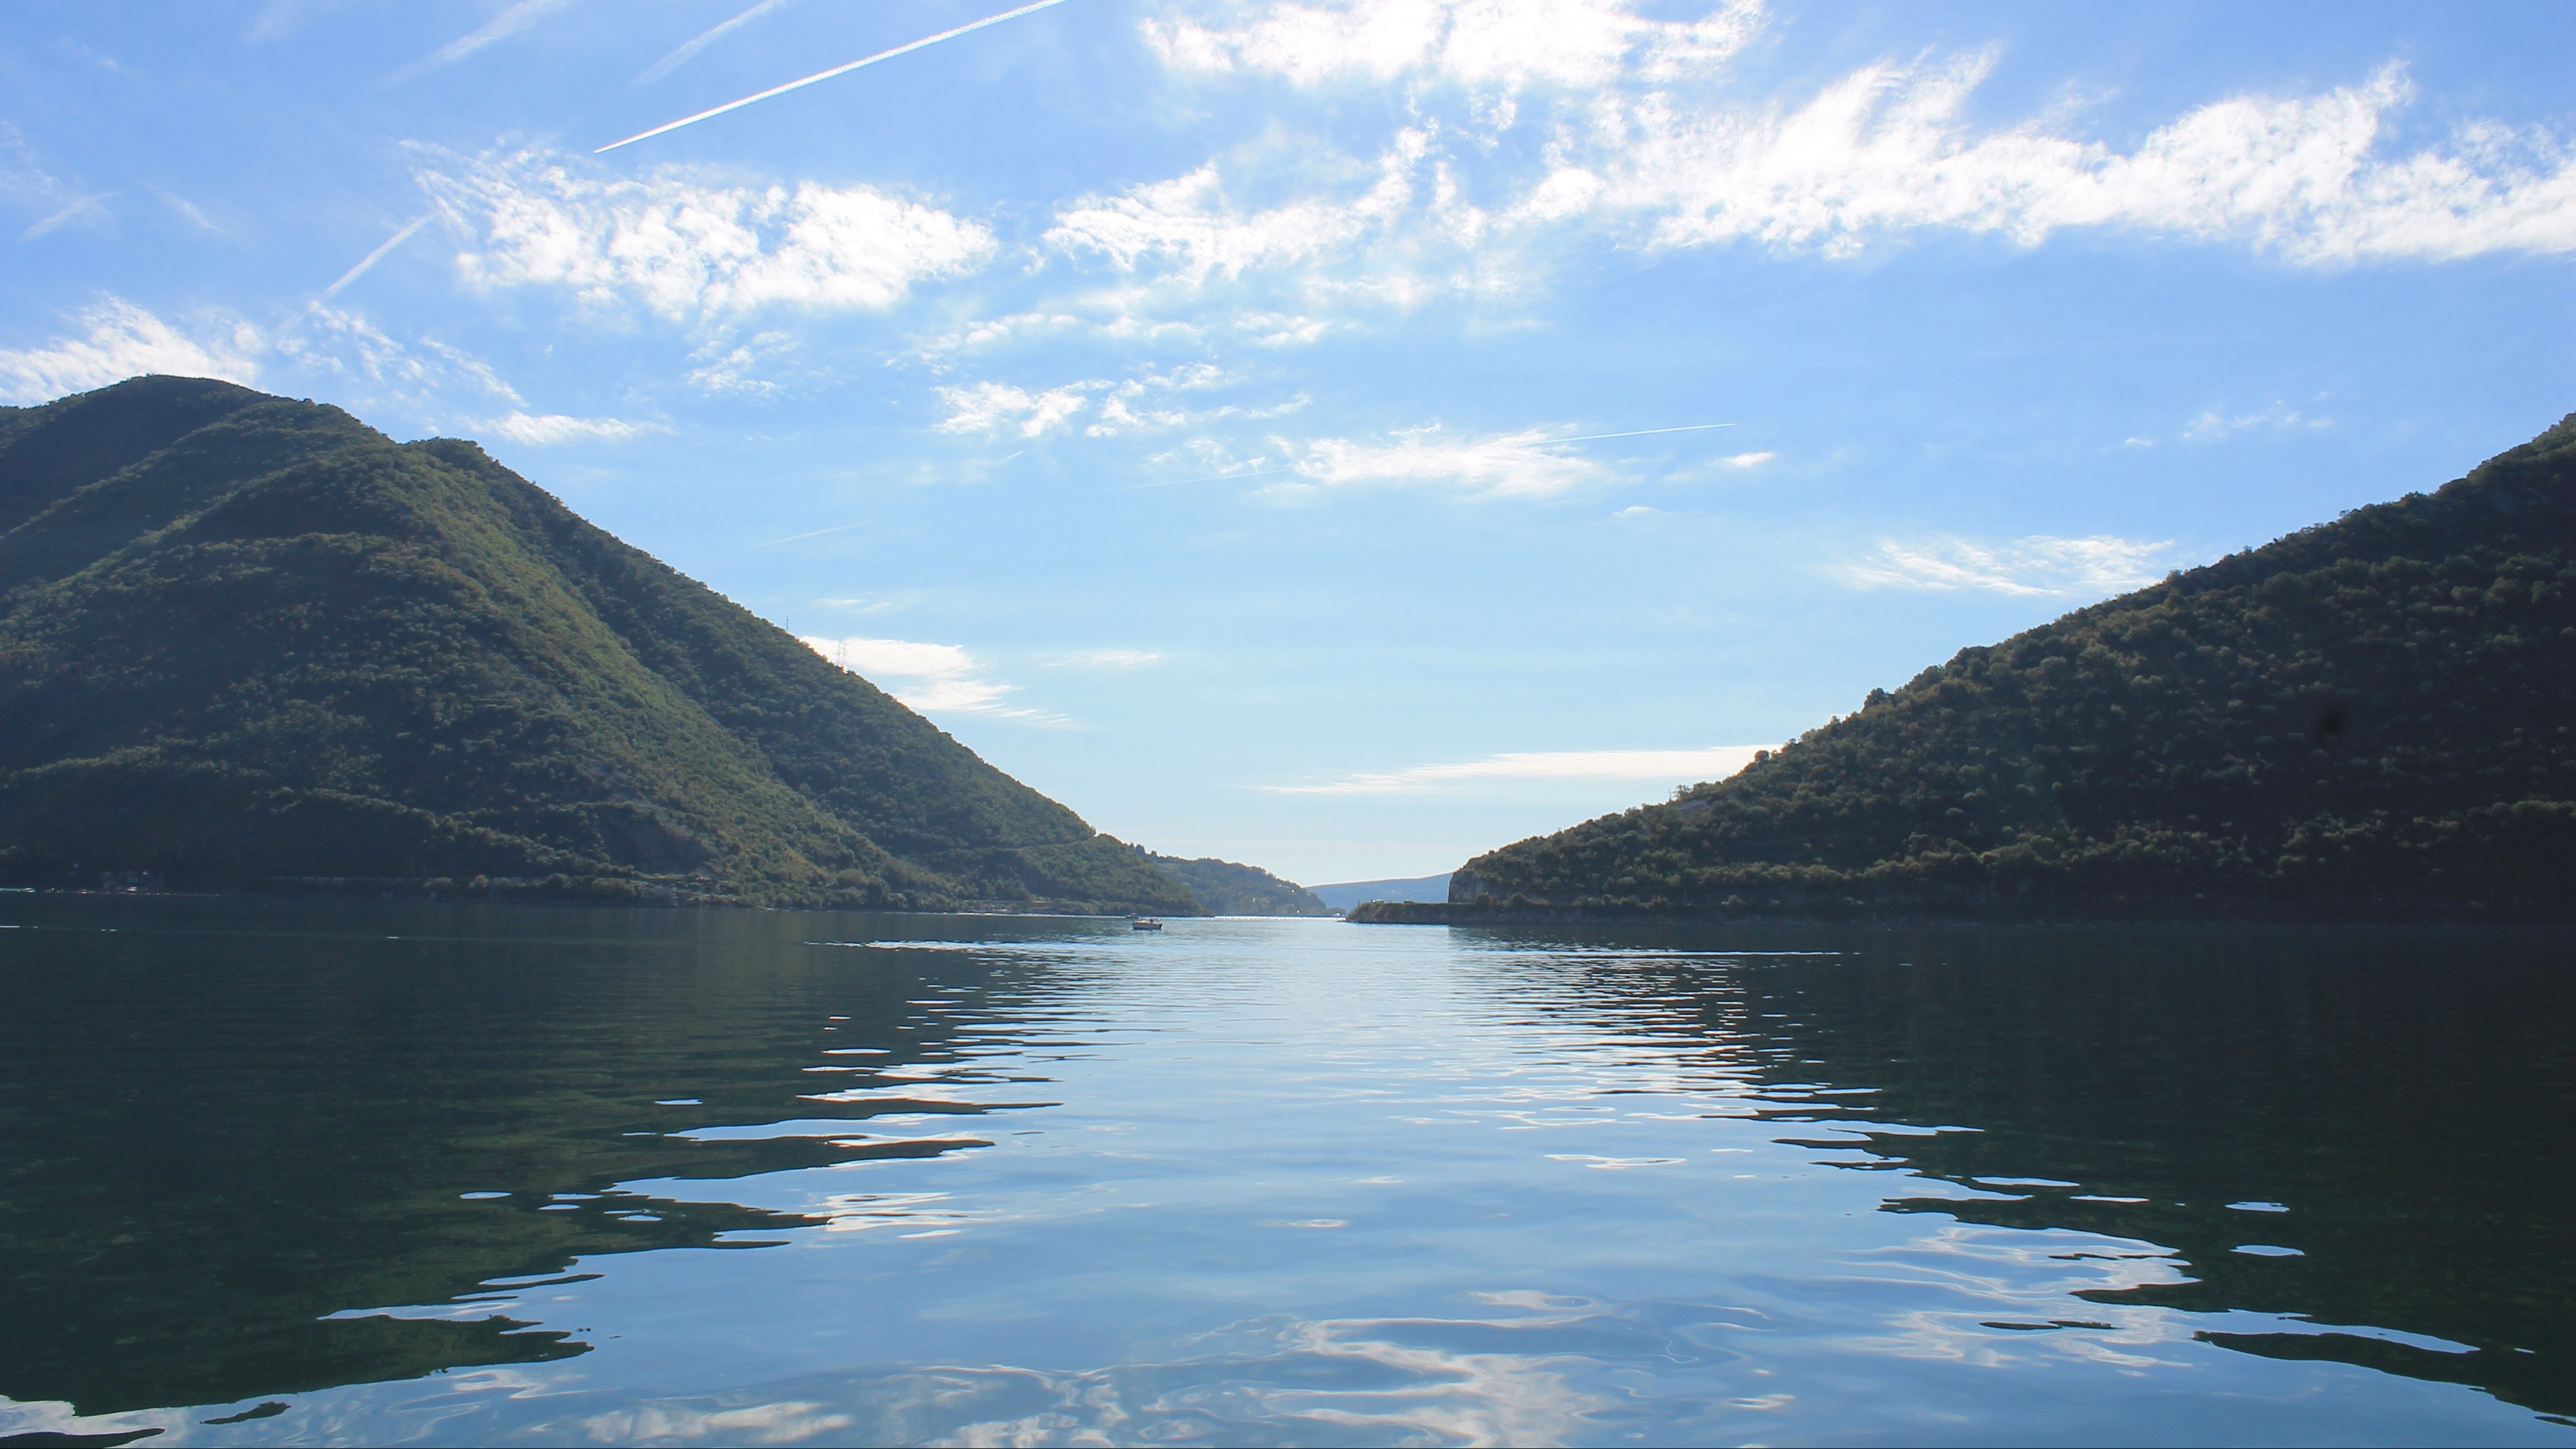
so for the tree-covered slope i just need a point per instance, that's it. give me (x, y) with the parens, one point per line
(2373, 718)
(1227, 889)
(245, 639)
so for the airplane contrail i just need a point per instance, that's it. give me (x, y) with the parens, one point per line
(817, 533)
(86, 203)
(824, 75)
(373, 257)
(688, 49)
(1641, 432)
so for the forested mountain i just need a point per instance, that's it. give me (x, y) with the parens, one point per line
(249, 642)
(2373, 718)
(1227, 889)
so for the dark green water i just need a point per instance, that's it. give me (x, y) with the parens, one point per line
(457, 1175)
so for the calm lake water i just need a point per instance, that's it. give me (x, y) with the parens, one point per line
(458, 1175)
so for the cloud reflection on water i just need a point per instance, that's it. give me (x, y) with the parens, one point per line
(1807, 1241)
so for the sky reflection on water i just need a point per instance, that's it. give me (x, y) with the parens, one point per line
(1256, 1182)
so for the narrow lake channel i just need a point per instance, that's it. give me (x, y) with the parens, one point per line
(410, 1173)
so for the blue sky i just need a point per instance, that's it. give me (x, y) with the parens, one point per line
(1288, 431)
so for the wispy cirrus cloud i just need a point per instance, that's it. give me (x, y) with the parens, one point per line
(686, 248)
(931, 678)
(1507, 43)
(2216, 424)
(421, 374)
(1152, 402)
(2039, 565)
(1531, 463)
(1110, 659)
(1652, 138)
(1887, 150)
(190, 212)
(747, 368)
(1669, 766)
(873, 603)
(1191, 228)
(1145, 403)
(994, 408)
(116, 339)
(552, 429)
(990, 331)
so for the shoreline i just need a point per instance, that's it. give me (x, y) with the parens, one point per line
(1466, 913)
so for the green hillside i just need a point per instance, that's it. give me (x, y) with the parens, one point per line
(2373, 718)
(1227, 889)
(249, 642)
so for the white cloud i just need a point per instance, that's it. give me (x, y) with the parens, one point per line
(684, 247)
(1275, 329)
(1120, 659)
(1127, 408)
(737, 368)
(1648, 134)
(1747, 460)
(1506, 43)
(997, 407)
(2038, 565)
(189, 211)
(548, 429)
(1526, 464)
(932, 678)
(1124, 314)
(2216, 423)
(119, 340)
(23, 177)
(1189, 223)
(990, 331)
(873, 603)
(420, 374)
(1886, 150)
(1674, 766)
(1132, 327)
(1133, 405)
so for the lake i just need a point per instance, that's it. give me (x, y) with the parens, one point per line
(316, 1172)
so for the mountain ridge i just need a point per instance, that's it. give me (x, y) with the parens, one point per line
(245, 639)
(2372, 718)
(1226, 888)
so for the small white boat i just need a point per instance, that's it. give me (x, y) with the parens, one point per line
(1143, 923)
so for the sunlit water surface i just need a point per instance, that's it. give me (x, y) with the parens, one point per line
(320, 1173)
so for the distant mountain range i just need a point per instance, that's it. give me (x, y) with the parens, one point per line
(2371, 719)
(1227, 889)
(249, 642)
(1343, 895)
